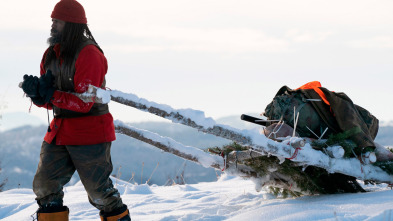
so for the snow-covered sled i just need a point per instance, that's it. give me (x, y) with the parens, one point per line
(312, 170)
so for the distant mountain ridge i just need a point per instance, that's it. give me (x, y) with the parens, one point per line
(386, 123)
(20, 147)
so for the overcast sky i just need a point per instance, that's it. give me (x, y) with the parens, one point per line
(223, 57)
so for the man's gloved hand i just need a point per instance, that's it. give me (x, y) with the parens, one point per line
(30, 85)
(38, 100)
(46, 88)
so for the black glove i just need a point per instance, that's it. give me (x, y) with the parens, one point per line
(38, 100)
(46, 88)
(30, 85)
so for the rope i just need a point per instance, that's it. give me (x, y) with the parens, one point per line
(295, 153)
(34, 216)
(295, 120)
(225, 161)
(324, 133)
(296, 150)
(279, 125)
(31, 104)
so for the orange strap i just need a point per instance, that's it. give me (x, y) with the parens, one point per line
(315, 85)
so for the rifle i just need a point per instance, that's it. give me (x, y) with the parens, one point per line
(255, 120)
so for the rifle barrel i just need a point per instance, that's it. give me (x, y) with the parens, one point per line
(254, 120)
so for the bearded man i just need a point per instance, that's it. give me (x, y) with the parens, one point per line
(80, 135)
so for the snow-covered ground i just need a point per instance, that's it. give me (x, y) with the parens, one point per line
(229, 198)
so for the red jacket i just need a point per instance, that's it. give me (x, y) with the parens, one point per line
(91, 67)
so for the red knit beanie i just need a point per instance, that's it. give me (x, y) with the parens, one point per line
(69, 11)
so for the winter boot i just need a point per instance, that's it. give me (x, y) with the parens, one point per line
(53, 213)
(121, 214)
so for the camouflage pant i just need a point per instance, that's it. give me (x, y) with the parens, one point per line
(93, 163)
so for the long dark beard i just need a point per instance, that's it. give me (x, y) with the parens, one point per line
(55, 37)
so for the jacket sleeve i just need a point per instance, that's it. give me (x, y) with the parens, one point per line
(90, 69)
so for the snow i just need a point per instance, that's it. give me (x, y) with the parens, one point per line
(196, 115)
(105, 97)
(336, 151)
(229, 198)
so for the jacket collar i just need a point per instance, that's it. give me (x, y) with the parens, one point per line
(56, 48)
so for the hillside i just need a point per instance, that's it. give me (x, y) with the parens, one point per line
(20, 147)
(19, 154)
